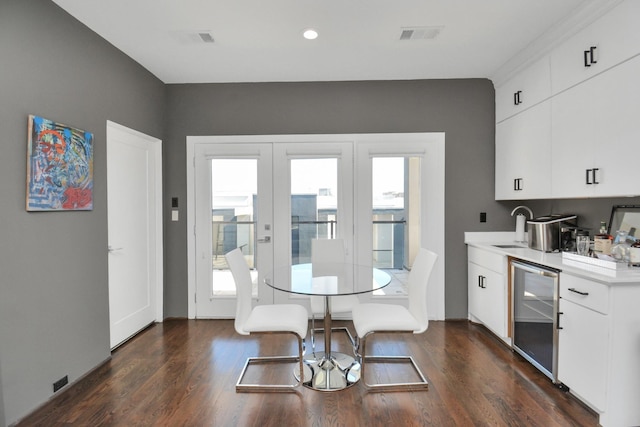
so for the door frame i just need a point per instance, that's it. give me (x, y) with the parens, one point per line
(433, 232)
(157, 250)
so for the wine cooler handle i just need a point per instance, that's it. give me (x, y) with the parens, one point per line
(558, 320)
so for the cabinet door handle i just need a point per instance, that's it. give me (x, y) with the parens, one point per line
(517, 184)
(574, 290)
(586, 59)
(516, 98)
(594, 175)
(588, 180)
(558, 321)
(589, 57)
(481, 282)
(592, 55)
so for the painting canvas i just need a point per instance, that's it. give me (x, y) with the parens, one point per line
(59, 167)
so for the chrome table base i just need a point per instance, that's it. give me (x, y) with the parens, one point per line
(337, 372)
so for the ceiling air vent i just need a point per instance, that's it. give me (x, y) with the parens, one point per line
(193, 37)
(206, 37)
(420, 33)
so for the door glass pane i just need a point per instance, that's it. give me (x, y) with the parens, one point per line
(395, 213)
(234, 188)
(314, 204)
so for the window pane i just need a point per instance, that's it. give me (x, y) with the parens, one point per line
(314, 196)
(234, 187)
(395, 213)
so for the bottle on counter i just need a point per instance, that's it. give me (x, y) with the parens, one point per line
(634, 254)
(603, 241)
(620, 251)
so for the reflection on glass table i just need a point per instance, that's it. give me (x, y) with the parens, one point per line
(329, 370)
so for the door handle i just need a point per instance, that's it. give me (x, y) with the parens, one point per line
(266, 239)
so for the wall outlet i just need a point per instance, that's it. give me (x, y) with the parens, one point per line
(60, 383)
(483, 217)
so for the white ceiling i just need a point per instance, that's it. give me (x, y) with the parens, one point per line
(261, 40)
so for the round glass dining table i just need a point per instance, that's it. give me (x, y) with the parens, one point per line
(329, 370)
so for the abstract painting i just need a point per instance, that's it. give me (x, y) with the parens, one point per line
(59, 167)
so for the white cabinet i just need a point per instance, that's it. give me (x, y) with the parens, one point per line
(610, 40)
(487, 286)
(577, 131)
(599, 347)
(523, 143)
(583, 339)
(524, 90)
(595, 132)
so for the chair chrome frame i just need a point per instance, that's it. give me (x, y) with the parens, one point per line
(360, 351)
(255, 360)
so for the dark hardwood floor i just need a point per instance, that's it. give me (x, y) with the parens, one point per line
(183, 373)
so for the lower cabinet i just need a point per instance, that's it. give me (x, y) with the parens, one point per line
(582, 352)
(487, 283)
(599, 347)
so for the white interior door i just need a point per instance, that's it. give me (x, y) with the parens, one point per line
(233, 208)
(134, 196)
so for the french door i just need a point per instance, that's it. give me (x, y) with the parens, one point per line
(270, 200)
(272, 194)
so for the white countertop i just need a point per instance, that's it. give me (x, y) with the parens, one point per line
(488, 240)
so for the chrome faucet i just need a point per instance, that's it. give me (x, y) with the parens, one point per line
(520, 223)
(522, 207)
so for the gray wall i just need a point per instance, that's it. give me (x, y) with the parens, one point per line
(464, 109)
(54, 318)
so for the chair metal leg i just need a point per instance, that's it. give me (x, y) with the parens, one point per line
(259, 388)
(360, 350)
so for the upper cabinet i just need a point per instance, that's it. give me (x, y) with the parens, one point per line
(596, 135)
(608, 41)
(578, 120)
(524, 90)
(523, 169)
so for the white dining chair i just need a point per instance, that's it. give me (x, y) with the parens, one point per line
(324, 253)
(265, 319)
(371, 318)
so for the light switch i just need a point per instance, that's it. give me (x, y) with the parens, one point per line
(174, 215)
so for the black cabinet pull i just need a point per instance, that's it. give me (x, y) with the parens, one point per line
(587, 177)
(594, 175)
(558, 321)
(589, 57)
(517, 184)
(574, 290)
(481, 282)
(516, 98)
(586, 59)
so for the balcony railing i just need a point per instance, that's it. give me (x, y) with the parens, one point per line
(388, 240)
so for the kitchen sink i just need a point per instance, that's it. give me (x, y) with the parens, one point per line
(510, 246)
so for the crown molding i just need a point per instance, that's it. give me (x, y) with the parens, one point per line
(580, 18)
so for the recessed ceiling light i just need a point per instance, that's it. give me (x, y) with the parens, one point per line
(310, 34)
